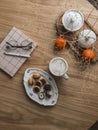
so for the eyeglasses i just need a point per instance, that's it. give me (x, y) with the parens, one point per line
(13, 44)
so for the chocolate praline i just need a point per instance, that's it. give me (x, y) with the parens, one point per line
(47, 87)
(43, 80)
(36, 89)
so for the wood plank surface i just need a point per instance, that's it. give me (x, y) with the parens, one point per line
(77, 106)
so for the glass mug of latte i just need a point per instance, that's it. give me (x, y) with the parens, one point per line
(58, 67)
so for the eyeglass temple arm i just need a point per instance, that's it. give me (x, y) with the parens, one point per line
(9, 44)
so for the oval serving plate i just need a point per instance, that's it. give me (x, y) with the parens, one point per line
(34, 96)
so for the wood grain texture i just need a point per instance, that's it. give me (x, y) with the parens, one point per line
(77, 106)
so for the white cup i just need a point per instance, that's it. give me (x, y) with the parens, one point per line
(58, 67)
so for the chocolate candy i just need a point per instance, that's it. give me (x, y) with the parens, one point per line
(41, 95)
(47, 87)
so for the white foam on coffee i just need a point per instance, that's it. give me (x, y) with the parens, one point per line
(58, 67)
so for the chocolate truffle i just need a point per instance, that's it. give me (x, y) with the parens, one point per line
(47, 87)
(36, 89)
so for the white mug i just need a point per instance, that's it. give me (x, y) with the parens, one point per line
(58, 67)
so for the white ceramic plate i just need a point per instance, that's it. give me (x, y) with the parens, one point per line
(32, 95)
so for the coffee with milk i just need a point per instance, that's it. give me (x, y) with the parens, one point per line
(58, 67)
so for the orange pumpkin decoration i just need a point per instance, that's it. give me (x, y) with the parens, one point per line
(89, 54)
(60, 43)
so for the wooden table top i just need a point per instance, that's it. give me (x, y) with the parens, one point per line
(77, 105)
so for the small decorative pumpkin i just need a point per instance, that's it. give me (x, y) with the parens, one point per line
(60, 43)
(89, 54)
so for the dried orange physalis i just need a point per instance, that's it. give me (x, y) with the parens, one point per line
(89, 54)
(60, 43)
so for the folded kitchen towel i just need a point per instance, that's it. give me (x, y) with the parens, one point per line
(9, 63)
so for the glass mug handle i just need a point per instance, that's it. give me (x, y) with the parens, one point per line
(65, 76)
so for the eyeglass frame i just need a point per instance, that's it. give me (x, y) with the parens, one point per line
(29, 45)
